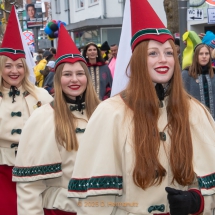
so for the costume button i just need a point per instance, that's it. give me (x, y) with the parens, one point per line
(162, 136)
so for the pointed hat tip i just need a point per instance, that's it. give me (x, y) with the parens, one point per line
(67, 52)
(12, 47)
(146, 24)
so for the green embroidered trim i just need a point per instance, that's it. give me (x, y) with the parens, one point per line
(17, 93)
(26, 93)
(13, 51)
(68, 56)
(207, 182)
(160, 208)
(79, 130)
(73, 108)
(18, 131)
(19, 114)
(150, 31)
(36, 170)
(1, 95)
(95, 183)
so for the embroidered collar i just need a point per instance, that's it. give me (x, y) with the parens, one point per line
(96, 64)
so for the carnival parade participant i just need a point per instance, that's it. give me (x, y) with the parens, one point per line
(99, 71)
(155, 154)
(18, 99)
(105, 49)
(42, 175)
(199, 80)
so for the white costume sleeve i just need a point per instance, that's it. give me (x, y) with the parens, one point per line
(29, 197)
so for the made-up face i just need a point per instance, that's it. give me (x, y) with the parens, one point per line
(13, 73)
(73, 80)
(31, 12)
(92, 52)
(160, 61)
(204, 56)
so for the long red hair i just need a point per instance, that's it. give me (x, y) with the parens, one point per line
(143, 100)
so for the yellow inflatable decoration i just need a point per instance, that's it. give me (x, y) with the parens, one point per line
(191, 39)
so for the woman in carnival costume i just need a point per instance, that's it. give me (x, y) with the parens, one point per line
(42, 175)
(199, 80)
(99, 71)
(155, 154)
(18, 99)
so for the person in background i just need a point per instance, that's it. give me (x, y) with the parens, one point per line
(105, 49)
(53, 52)
(18, 99)
(155, 154)
(99, 71)
(213, 58)
(39, 57)
(199, 80)
(48, 83)
(46, 71)
(40, 51)
(112, 61)
(177, 45)
(40, 67)
(50, 138)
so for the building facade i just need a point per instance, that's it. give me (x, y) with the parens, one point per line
(200, 26)
(95, 20)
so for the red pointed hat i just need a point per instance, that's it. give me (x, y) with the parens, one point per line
(12, 43)
(67, 52)
(146, 25)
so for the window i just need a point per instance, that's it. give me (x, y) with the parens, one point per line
(81, 38)
(80, 3)
(93, 1)
(57, 6)
(66, 4)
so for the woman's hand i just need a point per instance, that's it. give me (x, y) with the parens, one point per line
(183, 202)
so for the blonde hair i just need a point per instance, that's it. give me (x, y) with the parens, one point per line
(64, 119)
(26, 84)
